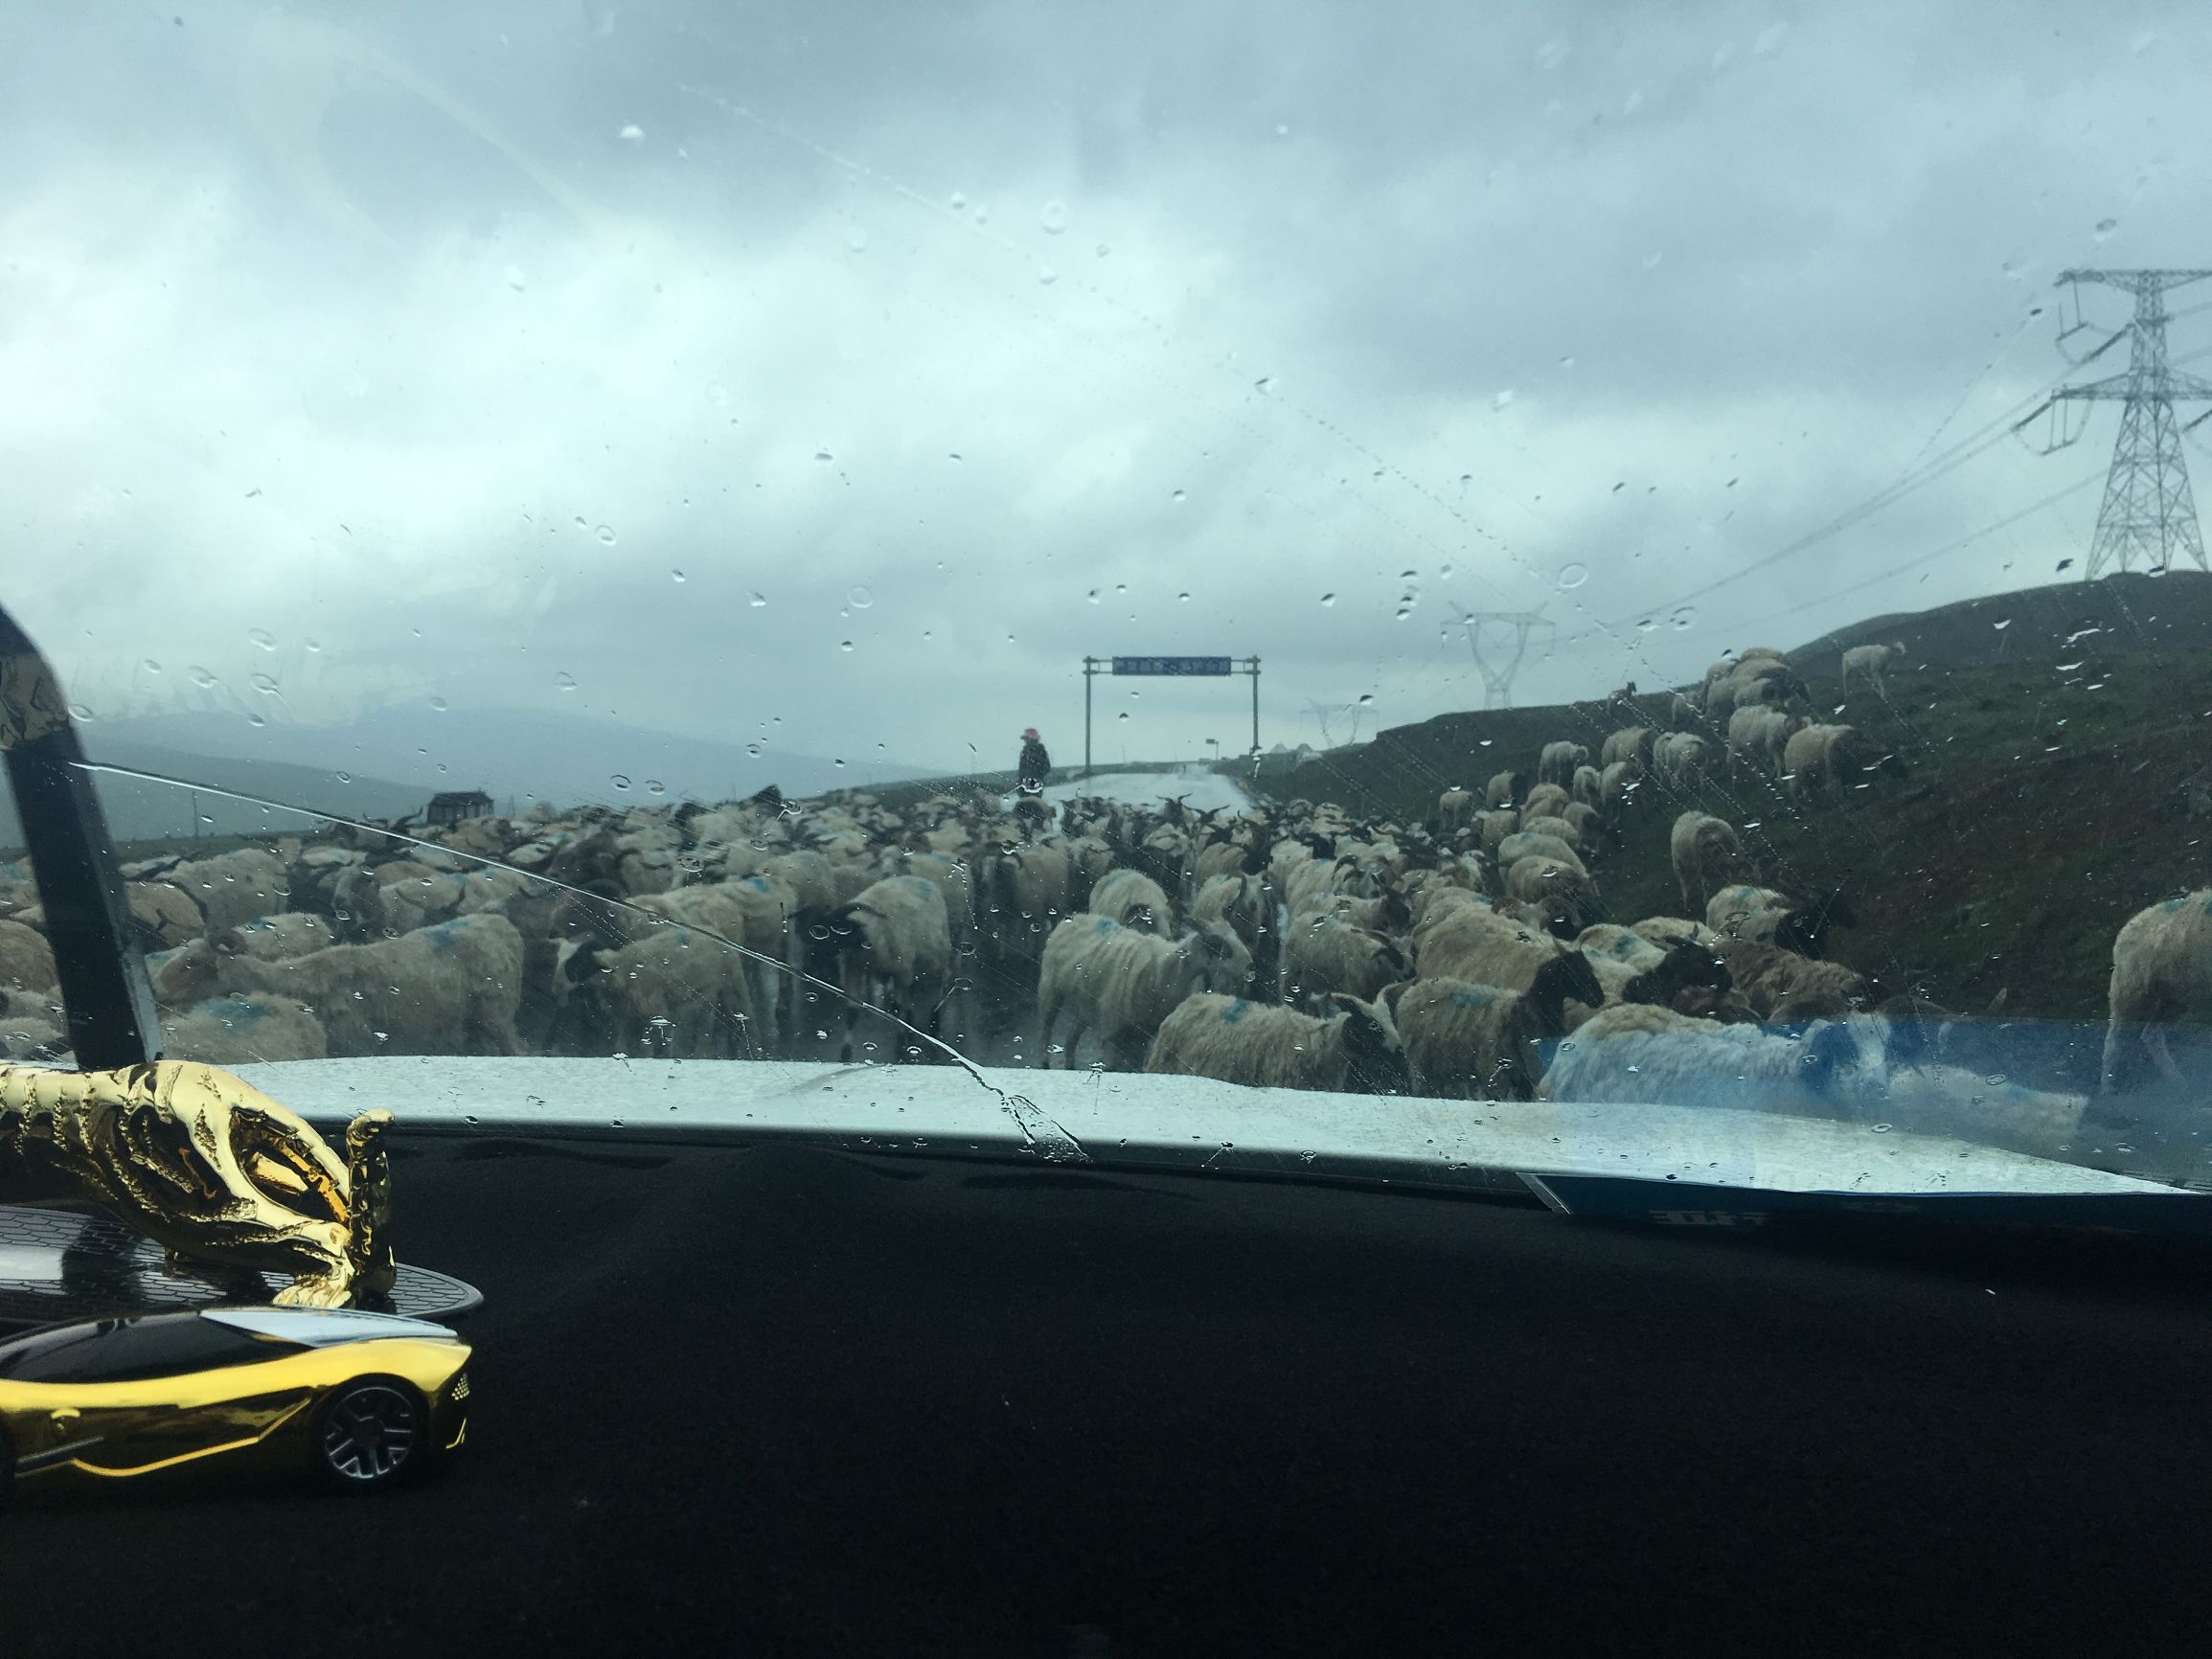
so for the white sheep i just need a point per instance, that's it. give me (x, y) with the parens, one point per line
(1328, 953)
(1355, 1050)
(236, 1030)
(1545, 801)
(1759, 736)
(1134, 900)
(754, 911)
(1020, 892)
(1563, 892)
(895, 950)
(1472, 1041)
(669, 991)
(1454, 809)
(1557, 762)
(1504, 789)
(2161, 977)
(1629, 746)
(26, 958)
(1493, 827)
(1706, 854)
(1463, 938)
(1122, 983)
(453, 988)
(1536, 843)
(1868, 663)
(232, 887)
(1682, 759)
(1822, 758)
(1588, 788)
(294, 933)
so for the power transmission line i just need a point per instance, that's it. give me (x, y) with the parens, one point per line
(1498, 665)
(2148, 507)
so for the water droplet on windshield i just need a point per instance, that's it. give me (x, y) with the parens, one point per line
(263, 638)
(565, 682)
(631, 133)
(757, 600)
(1573, 575)
(263, 684)
(619, 780)
(151, 665)
(1366, 698)
(844, 644)
(1053, 216)
(654, 787)
(345, 777)
(1327, 599)
(606, 534)
(1183, 597)
(1177, 496)
(1684, 619)
(2106, 227)
(1092, 595)
(956, 201)
(515, 279)
(2000, 626)
(860, 599)
(676, 574)
(439, 704)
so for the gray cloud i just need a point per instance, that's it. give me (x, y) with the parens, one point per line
(357, 328)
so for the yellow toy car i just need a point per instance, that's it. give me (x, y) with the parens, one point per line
(364, 1399)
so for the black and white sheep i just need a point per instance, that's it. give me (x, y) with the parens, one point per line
(1354, 1051)
(1471, 1041)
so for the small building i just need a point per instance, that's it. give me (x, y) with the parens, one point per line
(454, 804)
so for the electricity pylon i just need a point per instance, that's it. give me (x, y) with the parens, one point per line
(2148, 509)
(1499, 666)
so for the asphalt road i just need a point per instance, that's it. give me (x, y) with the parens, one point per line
(793, 1402)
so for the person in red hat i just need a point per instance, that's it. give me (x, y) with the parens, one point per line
(1030, 773)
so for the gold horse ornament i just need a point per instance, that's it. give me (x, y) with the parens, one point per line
(208, 1167)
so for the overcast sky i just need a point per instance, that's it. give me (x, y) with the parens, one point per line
(846, 371)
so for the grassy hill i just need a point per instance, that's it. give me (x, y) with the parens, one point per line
(2057, 784)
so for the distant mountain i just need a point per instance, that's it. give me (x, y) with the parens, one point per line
(513, 755)
(142, 810)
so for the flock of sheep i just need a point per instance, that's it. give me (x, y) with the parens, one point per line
(1287, 945)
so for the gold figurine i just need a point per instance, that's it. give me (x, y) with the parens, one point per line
(208, 1167)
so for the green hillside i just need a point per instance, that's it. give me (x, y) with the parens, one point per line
(2049, 797)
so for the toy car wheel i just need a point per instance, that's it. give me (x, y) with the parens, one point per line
(372, 1433)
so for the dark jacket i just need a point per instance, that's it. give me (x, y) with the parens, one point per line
(1035, 766)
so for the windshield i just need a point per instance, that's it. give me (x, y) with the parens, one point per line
(1515, 562)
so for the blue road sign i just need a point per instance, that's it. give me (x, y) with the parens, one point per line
(1171, 665)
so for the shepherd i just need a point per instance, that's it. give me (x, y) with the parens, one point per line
(1030, 773)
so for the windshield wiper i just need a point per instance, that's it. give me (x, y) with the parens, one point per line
(106, 991)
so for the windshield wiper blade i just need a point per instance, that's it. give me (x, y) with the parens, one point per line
(104, 986)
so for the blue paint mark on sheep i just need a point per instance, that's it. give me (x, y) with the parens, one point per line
(1237, 1010)
(237, 1015)
(1472, 999)
(2173, 905)
(446, 934)
(757, 883)
(1107, 924)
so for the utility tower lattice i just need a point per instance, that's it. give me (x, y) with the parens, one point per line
(1491, 657)
(2148, 509)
